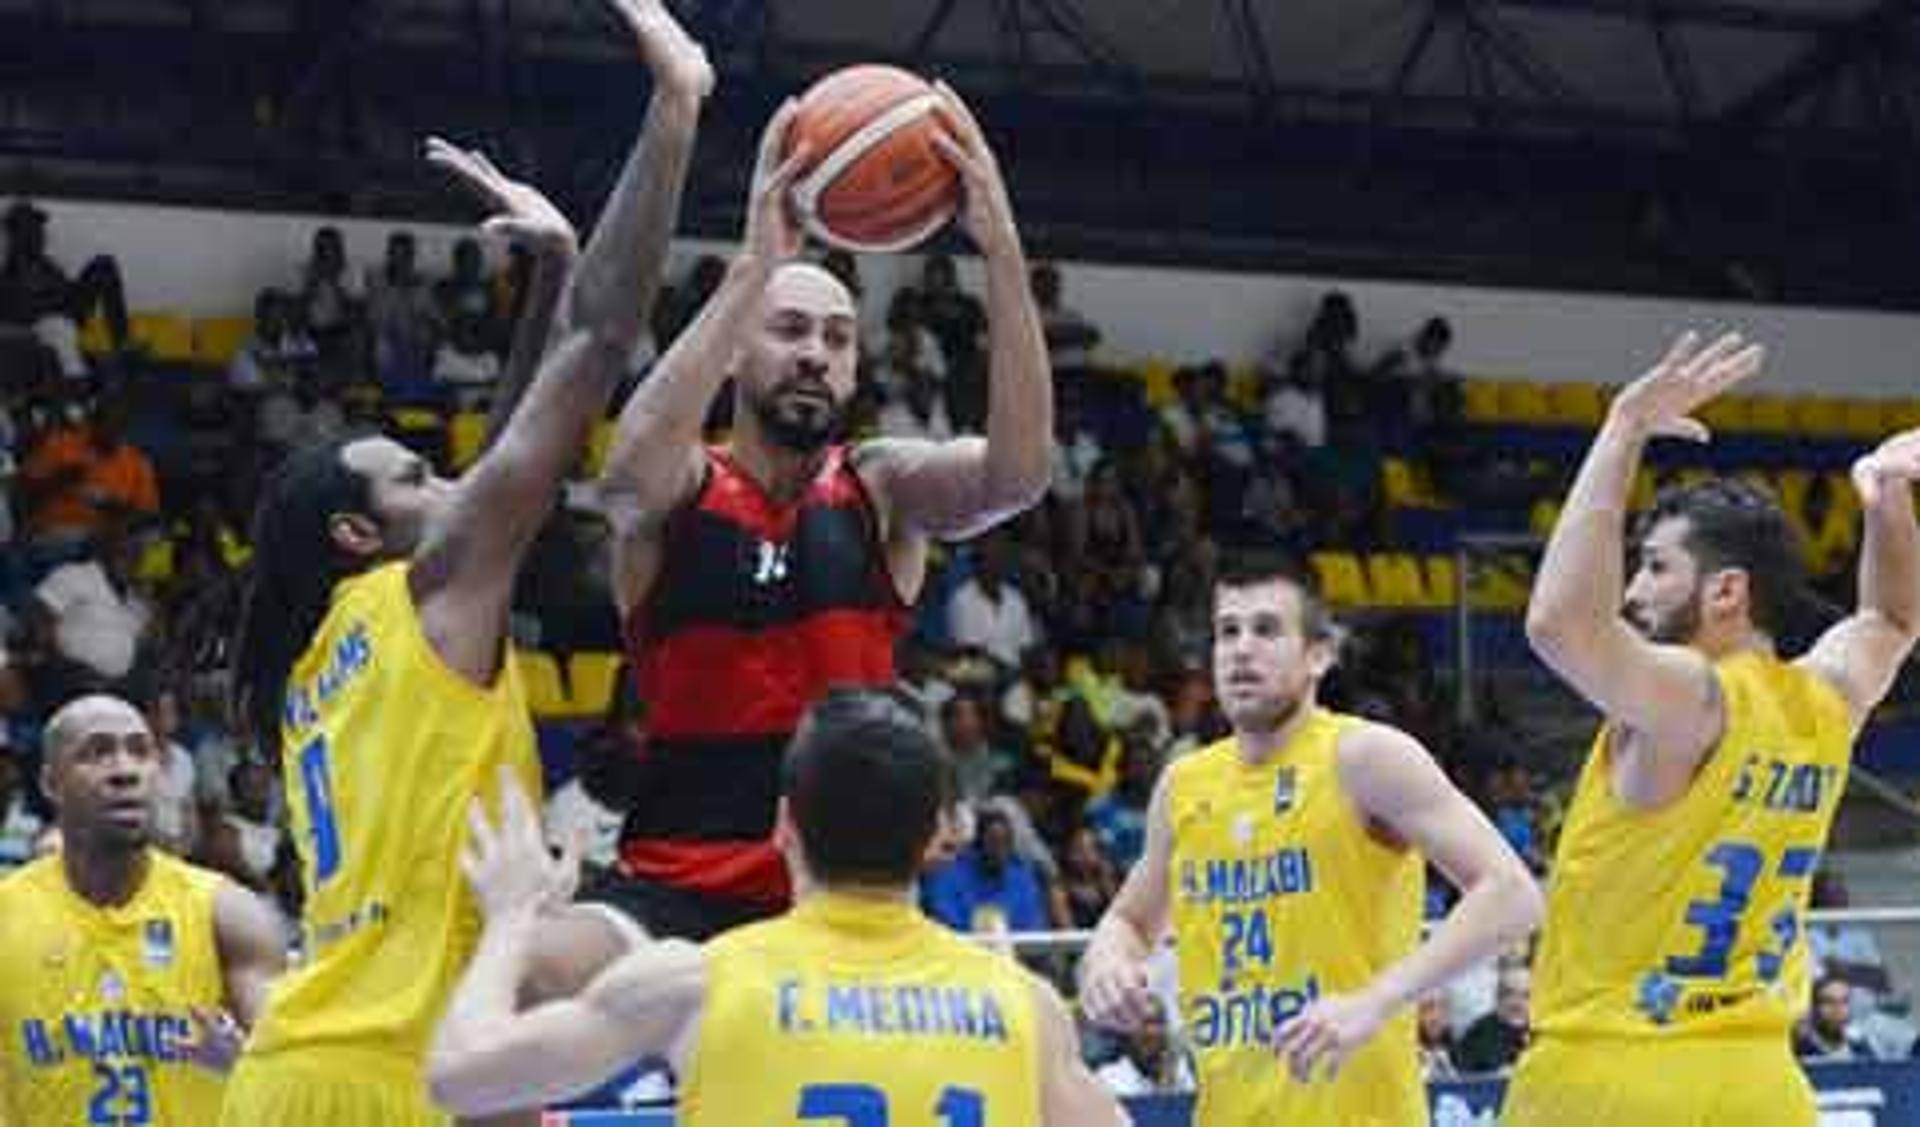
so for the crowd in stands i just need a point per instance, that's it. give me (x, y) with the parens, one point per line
(1063, 657)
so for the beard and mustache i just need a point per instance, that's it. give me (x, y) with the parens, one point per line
(1676, 627)
(800, 413)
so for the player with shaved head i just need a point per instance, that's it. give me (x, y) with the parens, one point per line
(752, 576)
(127, 977)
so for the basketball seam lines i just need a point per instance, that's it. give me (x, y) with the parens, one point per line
(808, 190)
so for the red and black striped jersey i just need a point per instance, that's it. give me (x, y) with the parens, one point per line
(758, 609)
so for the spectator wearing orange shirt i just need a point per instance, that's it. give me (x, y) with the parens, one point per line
(77, 478)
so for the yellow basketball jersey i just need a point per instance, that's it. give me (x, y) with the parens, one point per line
(383, 746)
(1282, 895)
(96, 1003)
(861, 1014)
(1687, 921)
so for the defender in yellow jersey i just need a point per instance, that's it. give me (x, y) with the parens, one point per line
(1672, 966)
(373, 651)
(127, 977)
(1287, 862)
(852, 1008)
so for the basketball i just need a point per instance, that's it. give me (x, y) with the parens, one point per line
(875, 181)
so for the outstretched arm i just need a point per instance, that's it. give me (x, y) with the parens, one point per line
(1397, 785)
(462, 575)
(654, 462)
(964, 486)
(488, 1059)
(552, 248)
(1663, 692)
(1862, 654)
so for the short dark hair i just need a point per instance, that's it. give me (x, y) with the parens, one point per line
(865, 782)
(1254, 569)
(1731, 523)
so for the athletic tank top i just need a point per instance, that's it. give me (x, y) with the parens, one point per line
(759, 608)
(1282, 895)
(846, 1011)
(383, 748)
(1689, 920)
(96, 1002)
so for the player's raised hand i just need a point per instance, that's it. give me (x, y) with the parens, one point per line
(1662, 401)
(521, 213)
(1895, 462)
(773, 232)
(1322, 1036)
(679, 64)
(217, 1039)
(1115, 993)
(508, 864)
(985, 211)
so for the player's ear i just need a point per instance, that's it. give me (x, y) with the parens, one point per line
(786, 836)
(355, 533)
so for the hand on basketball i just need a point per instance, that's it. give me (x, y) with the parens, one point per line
(509, 865)
(1322, 1036)
(1894, 462)
(217, 1039)
(985, 210)
(773, 231)
(1115, 993)
(679, 64)
(1663, 401)
(523, 214)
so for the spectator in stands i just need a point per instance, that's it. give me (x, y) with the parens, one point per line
(1118, 818)
(1086, 883)
(1149, 1065)
(1845, 951)
(1510, 803)
(1076, 446)
(1325, 361)
(1293, 404)
(989, 613)
(988, 889)
(1106, 554)
(401, 313)
(79, 478)
(957, 321)
(176, 815)
(1434, 1026)
(1493, 1043)
(1183, 418)
(1826, 1034)
(20, 823)
(1427, 396)
(1071, 338)
(246, 842)
(37, 296)
(280, 353)
(916, 403)
(467, 357)
(89, 621)
(331, 306)
(980, 770)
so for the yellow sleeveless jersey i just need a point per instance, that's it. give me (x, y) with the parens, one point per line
(1282, 895)
(858, 1014)
(383, 747)
(96, 1003)
(1687, 920)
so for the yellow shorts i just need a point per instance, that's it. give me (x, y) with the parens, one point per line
(322, 1090)
(1599, 1082)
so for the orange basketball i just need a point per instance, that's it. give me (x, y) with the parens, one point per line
(875, 181)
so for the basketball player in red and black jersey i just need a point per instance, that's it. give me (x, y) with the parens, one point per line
(754, 575)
